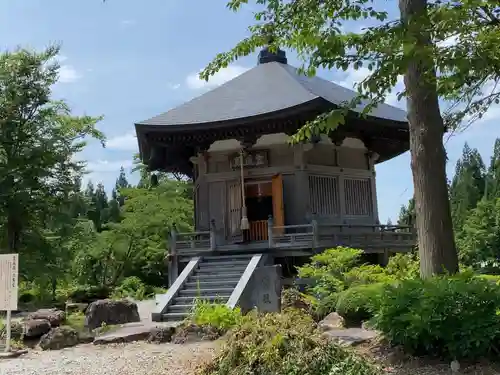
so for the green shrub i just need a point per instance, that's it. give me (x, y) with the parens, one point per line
(283, 344)
(366, 274)
(132, 287)
(403, 266)
(495, 279)
(216, 315)
(449, 316)
(327, 271)
(359, 303)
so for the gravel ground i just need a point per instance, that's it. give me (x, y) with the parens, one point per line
(139, 358)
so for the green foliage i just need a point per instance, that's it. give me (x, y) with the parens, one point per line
(455, 317)
(359, 303)
(366, 274)
(337, 269)
(402, 266)
(479, 239)
(76, 321)
(132, 287)
(216, 315)
(283, 344)
(327, 271)
(88, 293)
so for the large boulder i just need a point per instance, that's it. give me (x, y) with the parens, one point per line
(75, 307)
(54, 316)
(331, 321)
(111, 312)
(59, 338)
(16, 330)
(35, 328)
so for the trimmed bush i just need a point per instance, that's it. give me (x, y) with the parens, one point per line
(284, 344)
(455, 317)
(359, 303)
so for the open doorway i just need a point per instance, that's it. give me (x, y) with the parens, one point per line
(259, 203)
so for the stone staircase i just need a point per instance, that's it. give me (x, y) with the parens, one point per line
(214, 279)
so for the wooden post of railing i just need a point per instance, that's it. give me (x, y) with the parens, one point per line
(173, 263)
(315, 233)
(213, 242)
(270, 225)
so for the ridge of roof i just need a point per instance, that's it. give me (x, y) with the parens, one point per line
(264, 89)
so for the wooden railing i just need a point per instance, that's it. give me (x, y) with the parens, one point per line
(313, 235)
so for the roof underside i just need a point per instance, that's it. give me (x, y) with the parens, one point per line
(271, 97)
(265, 89)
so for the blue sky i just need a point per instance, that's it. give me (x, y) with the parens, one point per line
(130, 60)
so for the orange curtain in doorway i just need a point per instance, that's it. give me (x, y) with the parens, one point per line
(278, 206)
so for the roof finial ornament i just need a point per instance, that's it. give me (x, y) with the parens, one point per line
(266, 55)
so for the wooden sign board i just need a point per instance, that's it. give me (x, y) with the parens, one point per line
(9, 288)
(250, 160)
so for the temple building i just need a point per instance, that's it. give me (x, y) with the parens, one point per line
(257, 195)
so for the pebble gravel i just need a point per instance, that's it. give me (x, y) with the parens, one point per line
(138, 358)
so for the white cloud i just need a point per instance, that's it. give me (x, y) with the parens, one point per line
(354, 77)
(173, 86)
(128, 22)
(68, 74)
(125, 142)
(194, 82)
(106, 166)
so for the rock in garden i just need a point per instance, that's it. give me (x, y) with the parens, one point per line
(54, 316)
(332, 321)
(16, 330)
(160, 335)
(85, 337)
(35, 328)
(59, 338)
(73, 307)
(111, 312)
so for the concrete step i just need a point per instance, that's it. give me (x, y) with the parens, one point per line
(186, 300)
(187, 308)
(224, 263)
(227, 257)
(202, 284)
(220, 270)
(210, 277)
(206, 292)
(174, 317)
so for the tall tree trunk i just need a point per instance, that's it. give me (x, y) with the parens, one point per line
(428, 157)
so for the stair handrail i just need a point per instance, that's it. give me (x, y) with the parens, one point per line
(244, 280)
(166, 299)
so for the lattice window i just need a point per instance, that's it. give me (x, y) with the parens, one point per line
(358, 197)
(324, 195)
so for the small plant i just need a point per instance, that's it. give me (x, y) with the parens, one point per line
(132, 287)
(76, 320)
(455, 317)
(216, 315)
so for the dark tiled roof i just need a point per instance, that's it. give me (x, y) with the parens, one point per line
(266, 88)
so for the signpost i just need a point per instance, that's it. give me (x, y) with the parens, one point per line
(9, 270)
